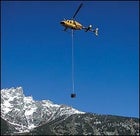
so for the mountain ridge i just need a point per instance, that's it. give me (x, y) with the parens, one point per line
(21, 115)
(84, 124)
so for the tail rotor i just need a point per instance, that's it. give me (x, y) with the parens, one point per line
(96, 31)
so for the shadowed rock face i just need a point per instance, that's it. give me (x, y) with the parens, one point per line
(90, 124)
(6, 128)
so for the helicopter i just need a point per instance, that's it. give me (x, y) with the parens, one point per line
(74, 25)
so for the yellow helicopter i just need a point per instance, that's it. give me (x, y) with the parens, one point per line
(72, 24)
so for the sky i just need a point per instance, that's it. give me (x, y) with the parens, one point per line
(36, 54)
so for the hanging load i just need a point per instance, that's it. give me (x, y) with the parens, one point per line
(73, 95)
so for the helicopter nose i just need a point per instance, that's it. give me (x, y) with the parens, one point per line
(62, 22)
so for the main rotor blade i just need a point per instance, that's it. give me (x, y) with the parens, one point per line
(78, 10)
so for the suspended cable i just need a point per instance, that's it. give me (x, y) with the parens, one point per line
(73, 95)
(72, 62)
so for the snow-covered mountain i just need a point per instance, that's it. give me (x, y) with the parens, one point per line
(25, 113)
(22, 115)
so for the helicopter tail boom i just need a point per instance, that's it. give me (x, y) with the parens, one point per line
(89, 28)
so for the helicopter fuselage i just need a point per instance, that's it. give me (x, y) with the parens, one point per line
(72, 24)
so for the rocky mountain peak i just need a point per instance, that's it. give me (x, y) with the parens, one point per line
(26, 113)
